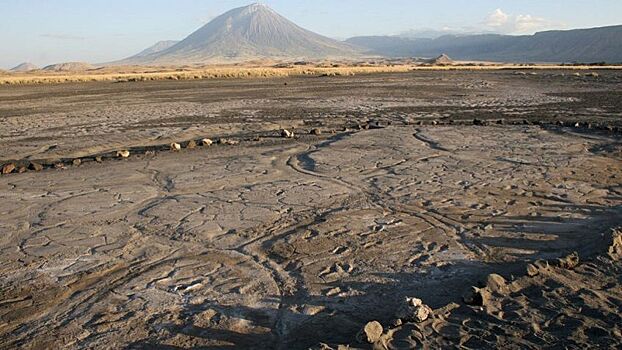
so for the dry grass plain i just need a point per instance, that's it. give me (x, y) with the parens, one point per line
(137, 73)
(420, 184)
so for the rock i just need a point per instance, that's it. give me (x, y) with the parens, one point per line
(287, 134)
(77, 162)
(191, 144)
(372, 332)
(496, 283)
(59, 166)
(36, 166)
(592, 74)
(615, 249)
(22, 169)
(228, 142)
(123, 154)
(569, 262)
(175, 146)
(413, 310)
(8, 168)
(206, 142)
(477, 296)
(98, 159)
(478, 122)
(316, 132)
(532, 270)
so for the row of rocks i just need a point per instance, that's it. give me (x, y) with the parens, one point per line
(488, 122)
(9, 168)
(125, 153)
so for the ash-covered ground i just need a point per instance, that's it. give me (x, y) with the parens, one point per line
(394, 186)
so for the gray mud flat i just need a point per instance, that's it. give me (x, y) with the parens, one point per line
(293, 243)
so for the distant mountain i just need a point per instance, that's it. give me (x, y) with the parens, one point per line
(247, 33)
(24, 67)
(157, 47)
(69, 67)
(579, 45)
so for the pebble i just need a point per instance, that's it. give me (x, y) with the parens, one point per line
(123, 154)
(191, 144)
(206, 142)
(175, 146)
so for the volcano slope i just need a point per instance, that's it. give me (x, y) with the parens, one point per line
(299, 242)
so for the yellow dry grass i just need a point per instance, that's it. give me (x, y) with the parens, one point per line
(257, 72)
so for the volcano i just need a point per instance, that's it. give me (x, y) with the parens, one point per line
(248, 33)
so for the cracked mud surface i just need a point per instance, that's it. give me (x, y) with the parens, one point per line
(278, 243)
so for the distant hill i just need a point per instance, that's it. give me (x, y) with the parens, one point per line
(69, 67)
(579, 45)
(157, 47)
(247, 33)
(24, 67)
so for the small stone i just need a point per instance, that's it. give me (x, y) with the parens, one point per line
(22, 169)
(569, 262)
(372, 332)
(36, 166)
(228, 142)
(191, 144)
(532, 270)
(123, 154)
(496, 283)
(59, 166)
(316, 132)
(77, 162)
(287, 134)
(206, 142)
(477, 296)
(413, 310)
(8, 168)
(175, 146)
(542, 264)
(98, 159)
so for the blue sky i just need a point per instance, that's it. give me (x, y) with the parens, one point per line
(44, 31)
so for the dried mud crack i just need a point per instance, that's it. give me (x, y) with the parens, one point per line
(292, 243)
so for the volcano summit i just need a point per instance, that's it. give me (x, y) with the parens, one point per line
(248, 33)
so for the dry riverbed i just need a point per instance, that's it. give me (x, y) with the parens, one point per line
(421, 185)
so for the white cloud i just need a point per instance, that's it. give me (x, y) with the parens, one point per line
(501, 22)
(497, 19)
